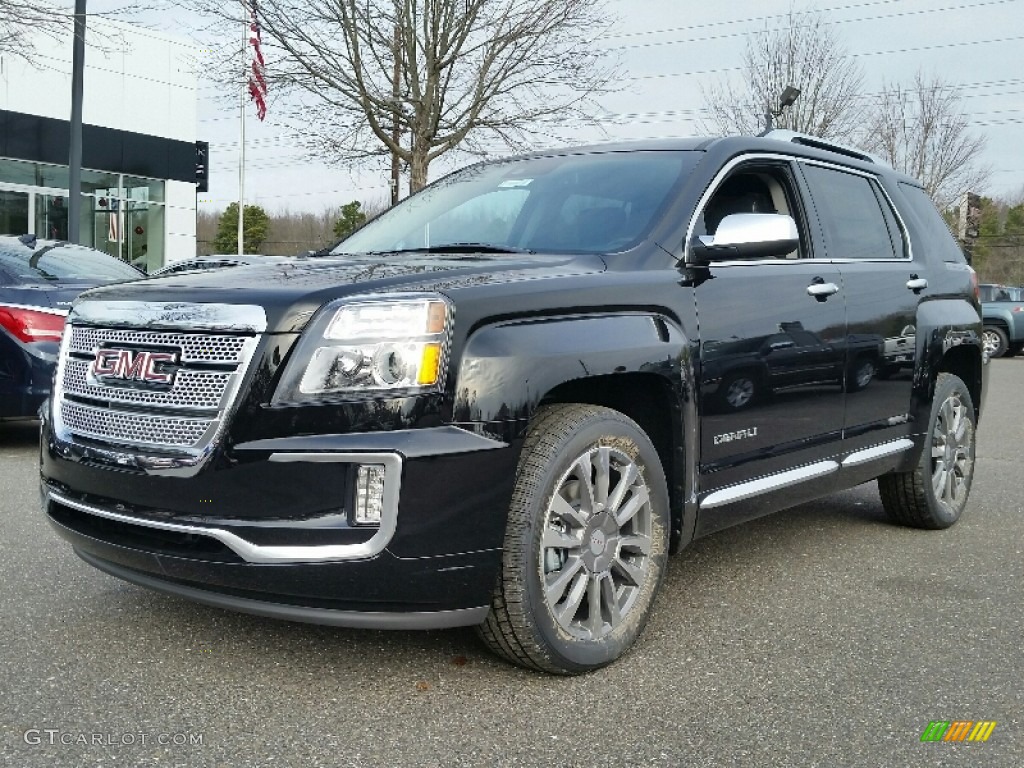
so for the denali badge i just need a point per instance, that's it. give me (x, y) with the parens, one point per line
(133, 365)
(739, 434)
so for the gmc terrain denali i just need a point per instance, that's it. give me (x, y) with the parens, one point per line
(520, 389)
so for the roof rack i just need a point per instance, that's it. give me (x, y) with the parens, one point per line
(817, 142)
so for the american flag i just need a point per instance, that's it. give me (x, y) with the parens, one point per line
(257, 79)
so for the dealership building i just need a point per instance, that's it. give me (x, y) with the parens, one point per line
(139, 149)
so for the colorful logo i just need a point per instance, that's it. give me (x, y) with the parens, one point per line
(958, 730)
(133, 365)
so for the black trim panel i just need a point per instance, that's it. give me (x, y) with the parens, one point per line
(46, 140)
(463, 617)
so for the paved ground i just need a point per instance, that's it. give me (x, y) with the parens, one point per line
(821, 636)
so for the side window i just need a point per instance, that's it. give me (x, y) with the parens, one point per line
(752, 189)
(857, 220)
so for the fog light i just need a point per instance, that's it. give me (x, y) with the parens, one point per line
(369, 494)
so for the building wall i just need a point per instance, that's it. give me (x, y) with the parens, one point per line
(141, 84)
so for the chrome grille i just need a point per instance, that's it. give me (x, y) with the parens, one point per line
(133, 429)
(195, 347)
(192, 389)
(183, 419)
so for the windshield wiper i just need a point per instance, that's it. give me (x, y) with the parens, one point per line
(455, 248)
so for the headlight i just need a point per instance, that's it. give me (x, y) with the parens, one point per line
(370, 346)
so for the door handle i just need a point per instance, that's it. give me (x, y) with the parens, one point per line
(821, 291)
(917, 284)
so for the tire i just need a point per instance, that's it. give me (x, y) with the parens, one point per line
(738, 391)
(994, 341)
(935, 493)
(861, 372)
(577, 583)
(1015, 349)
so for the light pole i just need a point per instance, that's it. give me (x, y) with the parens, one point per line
(75, 152)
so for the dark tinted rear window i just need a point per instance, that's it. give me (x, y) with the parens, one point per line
(63, 263)
(936, 229)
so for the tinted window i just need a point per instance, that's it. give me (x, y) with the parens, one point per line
(592, 203)
(924, 210)
(856, 221)
(73, 263)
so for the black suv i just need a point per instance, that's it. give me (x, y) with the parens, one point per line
(505, 405)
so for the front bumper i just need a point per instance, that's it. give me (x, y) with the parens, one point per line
(265, 528)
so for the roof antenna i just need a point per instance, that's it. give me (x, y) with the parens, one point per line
(787, 99)
(28, 239)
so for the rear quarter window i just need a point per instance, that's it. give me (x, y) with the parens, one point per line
(936, 232)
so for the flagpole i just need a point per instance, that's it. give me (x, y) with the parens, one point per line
(241, 142)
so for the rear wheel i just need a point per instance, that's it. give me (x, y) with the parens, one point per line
(994, 341)
(934, 494)
(585, 545)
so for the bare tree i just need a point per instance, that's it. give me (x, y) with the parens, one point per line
(419, 78)
(921, 130)
(21, 22)
(804, 53)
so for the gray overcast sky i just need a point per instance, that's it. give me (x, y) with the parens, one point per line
(668, 50)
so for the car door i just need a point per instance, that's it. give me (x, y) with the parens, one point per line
(882, 284)
(770, 328)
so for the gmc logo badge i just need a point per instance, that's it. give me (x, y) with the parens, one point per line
(133, 365)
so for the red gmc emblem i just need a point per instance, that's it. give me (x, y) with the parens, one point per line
(133, 365)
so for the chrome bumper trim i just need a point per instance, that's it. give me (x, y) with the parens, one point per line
(260, 553)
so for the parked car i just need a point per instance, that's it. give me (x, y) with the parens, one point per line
(490, 410)
(1002, 309)
(38, 280)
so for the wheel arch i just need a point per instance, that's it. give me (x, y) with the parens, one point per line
(949, 341)
(639, 364)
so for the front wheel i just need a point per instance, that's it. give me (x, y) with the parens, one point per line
(585, 545)
(934, 494)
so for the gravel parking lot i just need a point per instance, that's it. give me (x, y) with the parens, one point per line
(821, 636)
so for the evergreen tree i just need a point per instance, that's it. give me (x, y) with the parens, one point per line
(352, 218)
(256, 226)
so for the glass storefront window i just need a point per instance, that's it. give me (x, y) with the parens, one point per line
(144, 242)
(52, 217)
(121, 215)
(103, 184)
(13, 213)
(34, 174)
(136, 188)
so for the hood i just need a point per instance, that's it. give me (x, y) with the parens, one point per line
(291, 293)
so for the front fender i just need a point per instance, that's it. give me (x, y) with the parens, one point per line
(507, 368)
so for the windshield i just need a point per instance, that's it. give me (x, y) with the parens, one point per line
(590, 203)
(64, 262)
